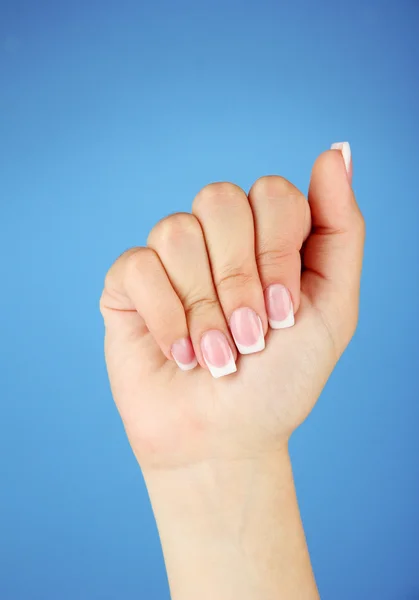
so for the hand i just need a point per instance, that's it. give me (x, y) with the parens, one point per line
(209, 409)
(236, 260)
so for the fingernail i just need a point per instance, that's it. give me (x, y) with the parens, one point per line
(246, 328)
(279, 306)
(217, 353)
(184, 355)
(345, 148)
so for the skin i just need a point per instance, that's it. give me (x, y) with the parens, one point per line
(214, 452)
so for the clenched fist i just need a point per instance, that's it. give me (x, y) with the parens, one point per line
(220, 335)
(222, 331)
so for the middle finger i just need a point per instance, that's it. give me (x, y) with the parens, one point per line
(227, 221)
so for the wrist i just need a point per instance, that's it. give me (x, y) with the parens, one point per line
(216, 493)
(232, 526)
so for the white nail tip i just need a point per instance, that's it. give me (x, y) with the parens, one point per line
(345, 148)
(187, 367)
(257, 347)
(217, 372)
(287, 322)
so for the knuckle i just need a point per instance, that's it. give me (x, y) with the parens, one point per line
(139, 260)
(216, 194)
(172, 228)
(119, 277)
(275, 186)
(109, 279)
(113, 275)
(268, 259)
(199, 305)
(233, 278)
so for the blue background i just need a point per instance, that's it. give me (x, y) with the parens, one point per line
(113, 114)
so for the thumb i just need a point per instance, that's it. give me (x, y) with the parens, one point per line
(332, 258)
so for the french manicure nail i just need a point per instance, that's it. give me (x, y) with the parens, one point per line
(279, 306)
(217, 353)
(184, 355)
(345, 148)
(246, 328)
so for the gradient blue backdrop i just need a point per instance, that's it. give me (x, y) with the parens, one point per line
(113, 114)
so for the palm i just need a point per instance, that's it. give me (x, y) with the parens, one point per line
(175, 418)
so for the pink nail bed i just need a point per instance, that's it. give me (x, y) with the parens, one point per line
(217, 353)
(246, 328)
(279, 306)
(184, 355)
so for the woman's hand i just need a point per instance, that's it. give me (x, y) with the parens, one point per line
(224, 273)
(220, 336)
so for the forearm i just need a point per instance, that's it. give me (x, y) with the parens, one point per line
(232, 531)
